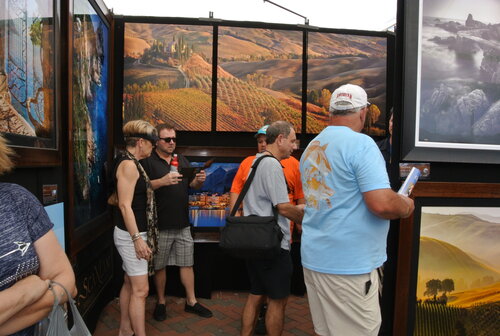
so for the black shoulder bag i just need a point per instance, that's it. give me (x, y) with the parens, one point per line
(251, 237)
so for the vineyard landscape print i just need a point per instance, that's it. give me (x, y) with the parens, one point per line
(458, 287)
(261, 81)
(335, 60)
(168, 75)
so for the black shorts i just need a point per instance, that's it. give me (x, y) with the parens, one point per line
(271, 277)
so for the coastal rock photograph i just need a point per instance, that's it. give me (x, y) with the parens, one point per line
(460, 74)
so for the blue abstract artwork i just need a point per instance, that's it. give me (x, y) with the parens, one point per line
(90, 106)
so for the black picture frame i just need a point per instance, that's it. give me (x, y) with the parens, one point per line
(428, 194)
(413, 149)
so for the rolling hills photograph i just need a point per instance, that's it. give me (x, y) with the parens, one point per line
(335, 60)
(458, 285)
(168, 76)
(459, 243)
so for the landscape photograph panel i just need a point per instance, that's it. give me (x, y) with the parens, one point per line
(259, 78)
(167, 75)
(90, 111)
(458, 284)
(338, 59)
(459, 101)
(27, 73)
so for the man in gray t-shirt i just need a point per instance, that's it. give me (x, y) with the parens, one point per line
(267, 190)
(271, 277)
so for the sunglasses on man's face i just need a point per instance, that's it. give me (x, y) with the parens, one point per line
(168, 139)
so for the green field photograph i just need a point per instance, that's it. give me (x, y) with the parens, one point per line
(458, 286)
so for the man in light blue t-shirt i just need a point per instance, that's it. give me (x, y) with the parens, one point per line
(345, 225)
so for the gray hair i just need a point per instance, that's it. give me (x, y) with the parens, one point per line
(277, 128)
(335, 112)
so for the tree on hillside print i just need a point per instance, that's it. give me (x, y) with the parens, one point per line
(447, 285)
(432, 288)
(458, 287)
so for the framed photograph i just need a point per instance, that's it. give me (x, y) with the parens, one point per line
(448, 275)
(29, 38)
(259, 78)
(167, 74)
(451, 81)
(89, 120)
(336, 59)
(209, 205)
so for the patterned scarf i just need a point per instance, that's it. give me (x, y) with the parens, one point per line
(151, 217)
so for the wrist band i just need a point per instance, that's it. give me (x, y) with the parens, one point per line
(136, 236)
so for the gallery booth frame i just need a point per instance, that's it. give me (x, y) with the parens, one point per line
(414, 149)
(425, 194)
(212, 135)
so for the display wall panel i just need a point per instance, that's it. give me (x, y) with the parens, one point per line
(259, 78)
(167, 75)
(337, 59)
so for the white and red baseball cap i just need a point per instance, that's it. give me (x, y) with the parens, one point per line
(348, 96)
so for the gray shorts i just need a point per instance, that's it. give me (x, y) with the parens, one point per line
(175, 248)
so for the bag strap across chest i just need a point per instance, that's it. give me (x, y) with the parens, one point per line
(246, 186)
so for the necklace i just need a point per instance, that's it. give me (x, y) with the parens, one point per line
(268, 152)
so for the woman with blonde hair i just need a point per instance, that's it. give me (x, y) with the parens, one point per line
(136, 231)
(30, 256)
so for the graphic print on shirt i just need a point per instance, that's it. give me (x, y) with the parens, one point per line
(316, 191)
(24, 268)
(21, 247)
